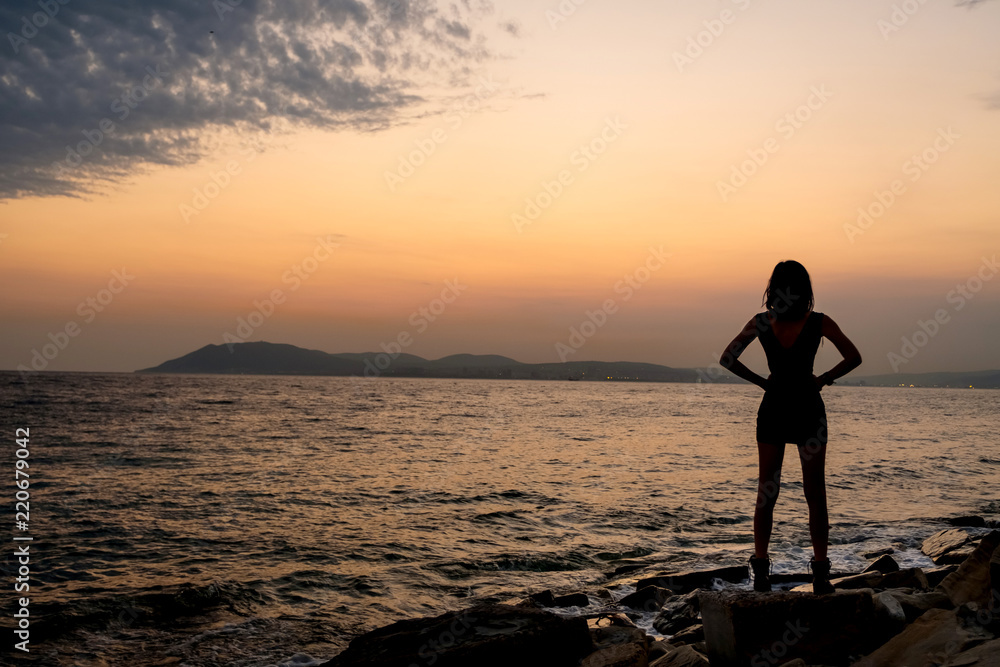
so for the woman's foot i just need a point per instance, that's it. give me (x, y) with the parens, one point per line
(761, 569)
(821, 576)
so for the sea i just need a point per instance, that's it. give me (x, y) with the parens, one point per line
(266, 520)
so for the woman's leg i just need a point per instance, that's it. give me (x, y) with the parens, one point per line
(813, 457)
(768, 486)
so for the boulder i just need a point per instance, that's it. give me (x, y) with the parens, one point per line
(936, 575)
(494, 635)
(971, 521)
(911, 577)
(915, 604)
(684, 656)
(943, 541)
(885, 564)
(608, 636)
(878, 552)
(956, 556)
(890, 614)
(971, 582)
(685, 582)
(659, 648)
(689, 635)
(607, 619)
(619, 655)
(856, 581)
(743, 628)
(933, 639)
(650, 598)
(678, 613)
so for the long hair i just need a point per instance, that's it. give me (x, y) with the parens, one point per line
(789, 293)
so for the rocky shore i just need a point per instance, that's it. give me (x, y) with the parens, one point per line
(883, 615)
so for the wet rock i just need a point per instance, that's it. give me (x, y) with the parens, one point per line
(684, 656)
(971, 582)
(678, 613)
(608, 619)
(649, 598)
(685, 582)
(743, 628)
(689, 635)
(606, 637)
(540, 599)
(878, 552)
(933, 638)
(941, 542)
(971, 521)
(622, 655)
(915, 604)
(493, 635)
(857, 581)
(884, 564)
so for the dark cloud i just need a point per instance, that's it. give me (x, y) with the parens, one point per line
(168, 74)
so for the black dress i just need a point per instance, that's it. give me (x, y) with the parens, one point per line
(792, 409)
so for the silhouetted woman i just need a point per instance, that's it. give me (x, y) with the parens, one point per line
(792, 409)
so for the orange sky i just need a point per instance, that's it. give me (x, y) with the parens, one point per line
(669, 138)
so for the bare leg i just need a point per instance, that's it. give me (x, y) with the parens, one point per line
(768, 487)
(813, 457)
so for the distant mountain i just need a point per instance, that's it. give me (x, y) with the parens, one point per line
(282, 359)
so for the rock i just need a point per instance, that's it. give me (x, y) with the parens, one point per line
(932, 639)
(743, 628)
(684, 656)
(941, 542)
(856, 581)
(911, 577)
(571, 600)
(936, 575)
(621, 655)
(494, 635)
(892, 618)
(915, 604)
(659, 647)
(971, 582)
(957, 556)
(884, 564)
(678, 613)
(541, 599)
(605, 637)
(608, 619)
(689, 635)
(971, 521)
(878, 552)
(685, 582)
(650, 598)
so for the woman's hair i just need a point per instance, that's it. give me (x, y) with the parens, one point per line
(789, 292)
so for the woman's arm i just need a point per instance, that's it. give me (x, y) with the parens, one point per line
(730, 358)
(852, 358)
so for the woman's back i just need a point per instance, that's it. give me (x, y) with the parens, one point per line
(791, 363)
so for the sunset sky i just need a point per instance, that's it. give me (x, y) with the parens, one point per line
(356, 157)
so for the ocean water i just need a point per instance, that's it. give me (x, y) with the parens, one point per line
(249, 520)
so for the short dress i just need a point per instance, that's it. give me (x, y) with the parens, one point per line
(792, 409)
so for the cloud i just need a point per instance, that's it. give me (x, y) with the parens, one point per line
(93, 92)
